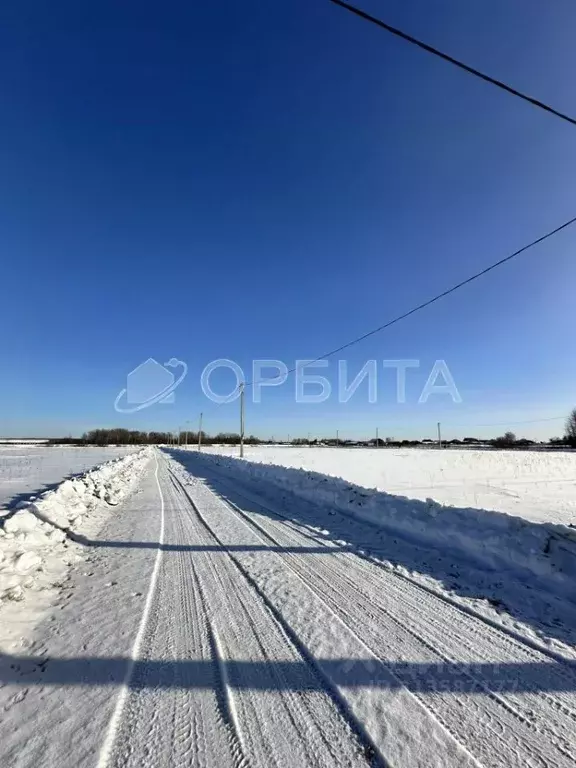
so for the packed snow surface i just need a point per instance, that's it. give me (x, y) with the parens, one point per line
(536, 485)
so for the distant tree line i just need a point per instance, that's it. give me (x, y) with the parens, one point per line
(119, 436)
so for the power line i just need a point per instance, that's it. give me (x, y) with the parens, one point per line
(452, 60)
(438, 296)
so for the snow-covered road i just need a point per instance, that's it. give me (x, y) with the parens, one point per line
(209, 627)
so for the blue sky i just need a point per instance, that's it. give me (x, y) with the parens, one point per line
(266, 180)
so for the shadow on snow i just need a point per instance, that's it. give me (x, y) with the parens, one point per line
(290, 675)
(551, 616)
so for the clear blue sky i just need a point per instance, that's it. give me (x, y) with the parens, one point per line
(252, 180)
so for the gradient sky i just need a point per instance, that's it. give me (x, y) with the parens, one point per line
(270, 180)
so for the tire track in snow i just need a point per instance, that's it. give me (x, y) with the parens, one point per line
(170, 723)
(371, 752)
(115, 720)
(174, 714)
(563, 739)
(193, 699)
(227, 704)
(312, 533)
(337, 613)
(313, 721)
(374, 753)
(224, 696)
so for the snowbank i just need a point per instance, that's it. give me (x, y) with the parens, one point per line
(27, 469)
(34, 536)
(537, 485)
(493, 540)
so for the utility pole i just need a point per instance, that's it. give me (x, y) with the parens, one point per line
(439, 436)
(242, 420)
(200, 434)
(337, 437)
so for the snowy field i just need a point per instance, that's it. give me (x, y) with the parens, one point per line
(185, 609)
(25, 469)
(538, 486)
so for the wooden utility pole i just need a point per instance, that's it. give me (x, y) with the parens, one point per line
(242, 420)
(200, 434)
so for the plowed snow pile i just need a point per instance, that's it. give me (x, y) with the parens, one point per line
(35, 546)
(491, 540)
(535, 485)
(27, 469)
